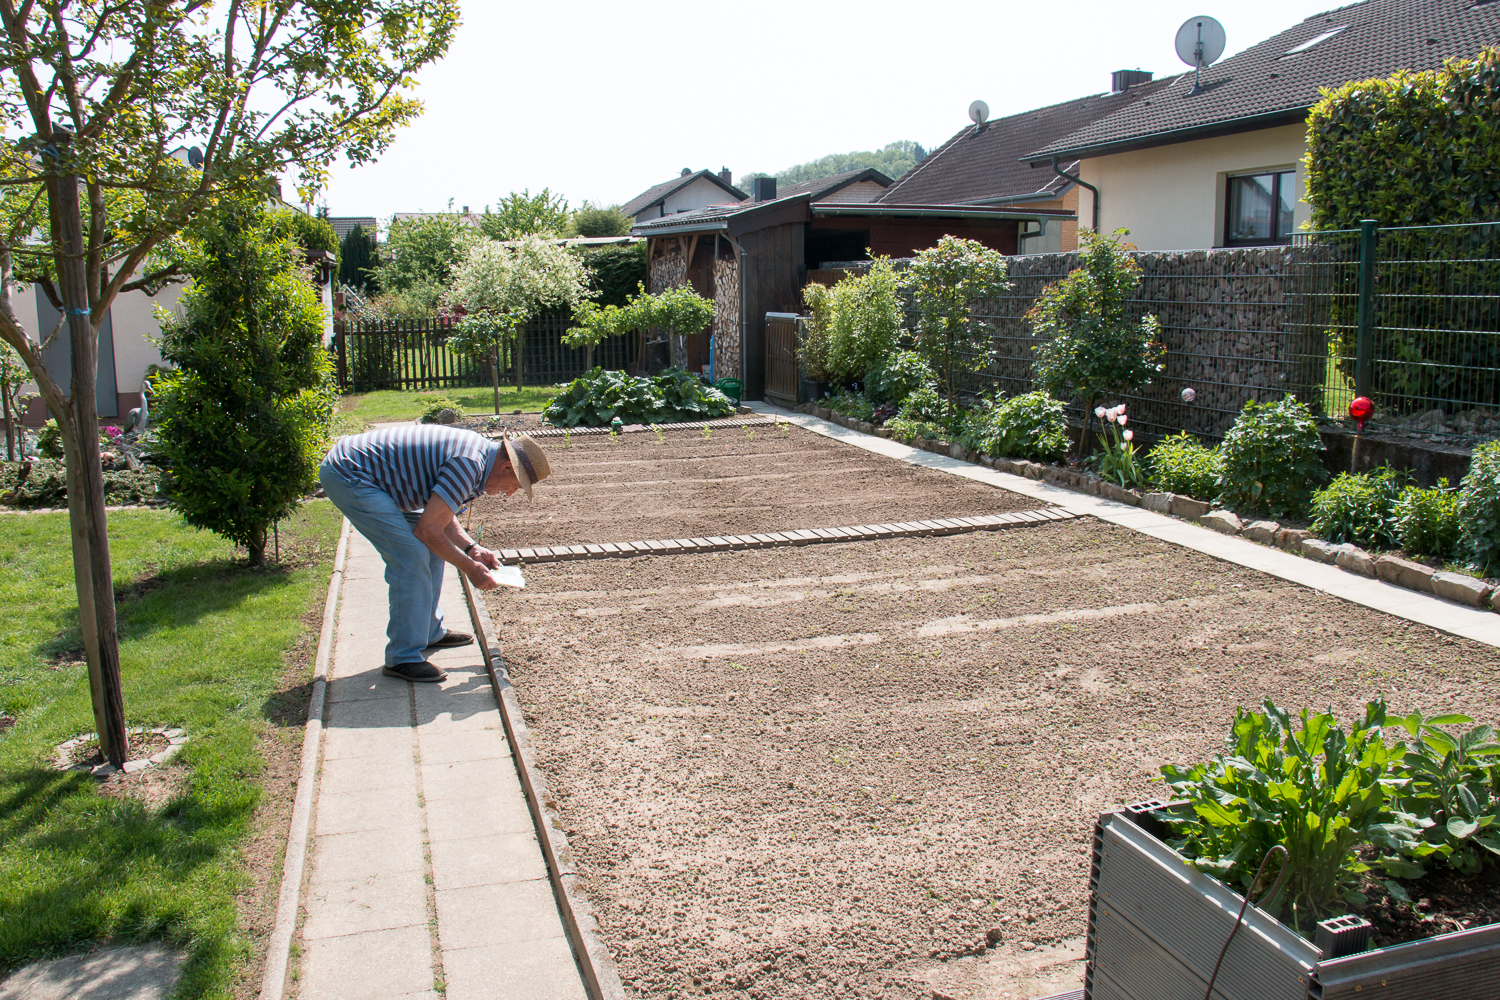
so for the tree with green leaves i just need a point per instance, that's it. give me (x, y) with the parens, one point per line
(243, 419)
(512, 282)
(100, 97)
(421, 255)
(593, 221)
(947, 282)
(525, 214)
(1088, 342)
(358, 259)
(893, 159)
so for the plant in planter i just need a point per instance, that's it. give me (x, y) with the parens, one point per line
(1451, 793)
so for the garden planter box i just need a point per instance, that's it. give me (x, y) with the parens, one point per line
(1156, 925)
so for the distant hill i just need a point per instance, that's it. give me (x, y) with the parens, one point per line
(893, 160)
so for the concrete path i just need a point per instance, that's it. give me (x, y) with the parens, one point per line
(1471, 623)
(426, 878)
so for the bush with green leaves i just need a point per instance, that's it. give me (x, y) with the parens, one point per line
(850, 404)
(862, 314)
(1030, 426)
(437, 405)
(909, 429)
(615, 272)
(1479, 509)
(1183, 464)
(947, 282)
(1089, 345)
(1362, 508)
(1449, 791)
(815, 350)
(1427, 521)
(45, 484)
(1270, 458)
(924, 404)
(898, 375)
(1303, 783)
(592, 220)
(244, 417)
(674, 396)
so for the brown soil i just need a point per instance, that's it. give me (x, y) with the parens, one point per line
(138, 746)
(1441, 902)
(832, 770)
(684, 485)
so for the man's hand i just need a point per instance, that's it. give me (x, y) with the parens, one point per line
(482, 578)
(484, 555)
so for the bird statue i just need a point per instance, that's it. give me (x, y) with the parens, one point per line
(141, 415)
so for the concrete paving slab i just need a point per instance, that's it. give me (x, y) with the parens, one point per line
(368, 903)
(529, 969)
(480, 815)
(369, 713)
(142, 972)
(369, 774)
(492, 860)
(449, 747)
(353, 812)
(484, 915)
(385, 744)
(370, 683)
(344, 857)
(370, 965)
(463, 779)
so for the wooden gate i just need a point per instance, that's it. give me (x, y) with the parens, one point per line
(781, 358)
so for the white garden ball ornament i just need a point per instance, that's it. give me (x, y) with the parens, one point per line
(1189, 394)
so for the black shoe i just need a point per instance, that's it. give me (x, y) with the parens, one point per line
(452, 640)
(421, 673)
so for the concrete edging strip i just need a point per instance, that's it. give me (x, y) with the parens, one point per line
(600, 976)
(279, 951)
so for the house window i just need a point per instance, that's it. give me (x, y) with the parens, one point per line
(1260, 209)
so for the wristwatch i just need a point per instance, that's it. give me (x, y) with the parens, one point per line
(470, 550)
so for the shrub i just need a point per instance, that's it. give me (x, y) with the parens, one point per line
(1270, 458)
(1479, 509)
(596, 399)
(908, 429)
(815, 352)
(1361, 508)
(1183, 464)
(850, 404)
(49, 443)
(923, 404)
(1030, 426)
(865, 321)
(1094, 346)
(899, 375)
(947, 281)
(437, 405)
(244, 418)
(46, 485)
(1427, 521)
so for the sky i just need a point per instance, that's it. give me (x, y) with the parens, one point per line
(600, 99)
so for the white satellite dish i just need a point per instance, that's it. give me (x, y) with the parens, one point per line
(1200, 42)
(979, 112)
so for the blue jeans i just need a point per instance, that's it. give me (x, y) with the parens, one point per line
(413, 572)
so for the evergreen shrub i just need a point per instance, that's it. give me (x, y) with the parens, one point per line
(1270, 458)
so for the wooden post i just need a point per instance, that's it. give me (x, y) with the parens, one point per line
(88, 499)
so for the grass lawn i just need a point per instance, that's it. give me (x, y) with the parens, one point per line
(400, 404)
(205, 643)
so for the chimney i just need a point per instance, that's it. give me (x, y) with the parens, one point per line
(1123, 79)
(763, 189)
(466, 209)
(686, 171)
(726, 176)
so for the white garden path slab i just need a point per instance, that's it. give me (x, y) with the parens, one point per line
(1471, 623)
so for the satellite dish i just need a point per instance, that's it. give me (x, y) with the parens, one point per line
(979, 112)
(1200, 42)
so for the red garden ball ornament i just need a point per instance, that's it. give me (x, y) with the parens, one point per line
(1361, 410)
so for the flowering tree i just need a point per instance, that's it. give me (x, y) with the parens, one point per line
(947, 282)
(99, 99)
(680, 311)
(511, 283)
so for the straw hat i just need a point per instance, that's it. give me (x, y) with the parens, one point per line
(528, 460)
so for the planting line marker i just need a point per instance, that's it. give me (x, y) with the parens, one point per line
(813, 536)
(1377, 595)
(278, 952)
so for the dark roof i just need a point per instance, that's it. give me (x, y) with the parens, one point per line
(712, 217)
(822, 187)
(741, 218)
(1268, 85)
(343, 223)
(660, 192)
(983, 163)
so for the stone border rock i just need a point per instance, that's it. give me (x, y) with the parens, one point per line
(1456, 587)
(175, 739)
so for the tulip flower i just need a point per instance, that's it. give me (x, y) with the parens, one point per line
(1129, 435)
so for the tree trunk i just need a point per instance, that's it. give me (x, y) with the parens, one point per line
(83, 584)
(495, 374)
(104, 667)
(588, 359)
(518, 340)
(10, 425)
(255, 548)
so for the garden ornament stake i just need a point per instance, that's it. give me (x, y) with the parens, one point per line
(1361, 410)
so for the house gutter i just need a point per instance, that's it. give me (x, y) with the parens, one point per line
(1059, 171)
(876, 210)
(686, 227)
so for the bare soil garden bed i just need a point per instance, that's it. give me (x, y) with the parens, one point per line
(872, 769)
(679, 484)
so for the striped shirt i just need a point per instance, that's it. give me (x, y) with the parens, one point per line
(413, 462)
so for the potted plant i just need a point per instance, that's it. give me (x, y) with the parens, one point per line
(1353, 812)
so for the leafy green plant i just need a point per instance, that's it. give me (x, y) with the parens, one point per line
(45, 484)
(1427, 520)
(1183, 464)
(1269, 458)
(49, 440)
(947, 282)
(1093, 346)
(908, 429)
(1117, 459)
(1362, 508)
(598, 398)
(923, 405)
(863, 313)
(1451, 792)
(850, 404)
(900, 374)
(707, 432)
(1479, 509)
(1030, 426)
(1305, 784)
(815, 350)
(437, 405)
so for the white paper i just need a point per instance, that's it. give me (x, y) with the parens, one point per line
(509, 576)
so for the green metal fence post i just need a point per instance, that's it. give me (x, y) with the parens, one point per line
(1364, 334)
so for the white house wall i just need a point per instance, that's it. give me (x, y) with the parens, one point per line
(857, 194)
(1172, 197)
(699, 194)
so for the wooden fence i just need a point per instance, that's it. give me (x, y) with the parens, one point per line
(414, 354)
